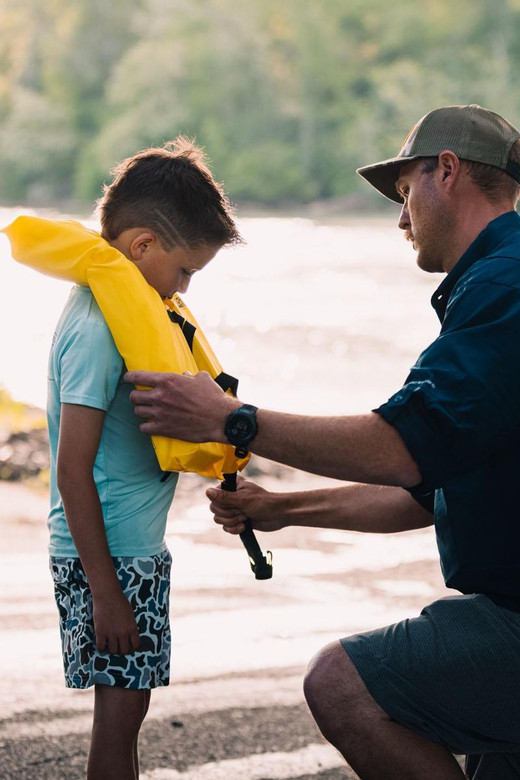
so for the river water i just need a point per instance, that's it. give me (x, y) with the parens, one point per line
(311, 317)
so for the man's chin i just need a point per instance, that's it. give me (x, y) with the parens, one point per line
(428, 265)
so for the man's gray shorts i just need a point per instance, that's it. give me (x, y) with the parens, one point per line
(451, 675)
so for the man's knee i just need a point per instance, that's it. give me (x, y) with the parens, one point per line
(328, 682)
(336, 694)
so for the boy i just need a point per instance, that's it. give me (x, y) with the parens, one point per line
(109, 498)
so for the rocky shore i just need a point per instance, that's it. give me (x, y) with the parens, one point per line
(24, 455)
(24, 441)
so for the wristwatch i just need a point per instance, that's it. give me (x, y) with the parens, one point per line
(241, 428)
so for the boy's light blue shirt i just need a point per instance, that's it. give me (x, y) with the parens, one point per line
(85, 368)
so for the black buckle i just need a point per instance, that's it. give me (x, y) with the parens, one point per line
(261, 565)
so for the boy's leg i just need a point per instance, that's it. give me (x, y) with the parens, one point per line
(118, 716)
(136, 751)
(119, 710)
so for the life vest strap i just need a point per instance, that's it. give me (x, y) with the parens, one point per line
(223, 380)
(188, 329)
(227, 382)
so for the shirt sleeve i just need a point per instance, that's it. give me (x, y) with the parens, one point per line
(90, 366)
(461, 400)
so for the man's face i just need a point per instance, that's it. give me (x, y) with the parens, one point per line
(425, 217)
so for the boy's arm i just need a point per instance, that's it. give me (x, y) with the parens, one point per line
(80, 434)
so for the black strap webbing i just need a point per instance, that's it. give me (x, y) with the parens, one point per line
(187, 328)
(223, 380)
(227, 382)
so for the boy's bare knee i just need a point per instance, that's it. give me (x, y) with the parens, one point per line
(125, 707)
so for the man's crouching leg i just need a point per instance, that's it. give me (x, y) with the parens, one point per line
(376, 747)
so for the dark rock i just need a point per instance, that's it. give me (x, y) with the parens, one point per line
(24, 455)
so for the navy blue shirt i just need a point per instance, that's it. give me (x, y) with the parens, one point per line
(459, 416)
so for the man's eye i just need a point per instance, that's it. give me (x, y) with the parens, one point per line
(185, 272)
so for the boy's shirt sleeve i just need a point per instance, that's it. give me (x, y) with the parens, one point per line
(459, 404)
(90, 366)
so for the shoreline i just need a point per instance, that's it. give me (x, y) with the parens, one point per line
(344, 210)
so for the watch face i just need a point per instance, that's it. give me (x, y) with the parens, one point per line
(241, 427)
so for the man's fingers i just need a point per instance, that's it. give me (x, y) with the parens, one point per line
(141, 410)
(234, 529)
(231, 518)
(223, 503)
(141, 398)
(145, 378)
(225, 514)
(223, 497)
(150, 427)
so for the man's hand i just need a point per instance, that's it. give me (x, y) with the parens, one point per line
(250, 501)
(114, 624)
(191, 408)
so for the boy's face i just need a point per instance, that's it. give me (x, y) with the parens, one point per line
(167, 271)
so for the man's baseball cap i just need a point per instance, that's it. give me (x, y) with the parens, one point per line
(472, 132)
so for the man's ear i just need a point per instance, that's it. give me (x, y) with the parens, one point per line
(449, 168)
(141, 244)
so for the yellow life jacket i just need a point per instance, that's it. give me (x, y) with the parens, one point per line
(139, 321)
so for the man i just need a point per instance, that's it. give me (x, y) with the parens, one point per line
(398, 702)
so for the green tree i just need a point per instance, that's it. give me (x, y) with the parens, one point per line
(288, 98)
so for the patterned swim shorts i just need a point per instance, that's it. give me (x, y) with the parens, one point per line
(146, 584)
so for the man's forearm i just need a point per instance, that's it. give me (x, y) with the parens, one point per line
(355, 448)
(364, 508)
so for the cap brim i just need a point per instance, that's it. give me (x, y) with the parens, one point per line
(383, 175)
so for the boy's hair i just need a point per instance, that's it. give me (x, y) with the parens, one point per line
(171, 191)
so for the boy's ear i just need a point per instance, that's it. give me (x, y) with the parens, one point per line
(141, 244)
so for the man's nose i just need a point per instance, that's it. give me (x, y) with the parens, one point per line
(404, 218)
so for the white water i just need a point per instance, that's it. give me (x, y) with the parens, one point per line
(312, 318)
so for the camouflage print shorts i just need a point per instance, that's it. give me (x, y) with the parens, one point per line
(146, 584)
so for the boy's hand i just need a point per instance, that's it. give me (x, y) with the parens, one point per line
(249, 502)
(114, 624)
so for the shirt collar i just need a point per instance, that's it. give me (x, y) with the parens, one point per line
(489, 239)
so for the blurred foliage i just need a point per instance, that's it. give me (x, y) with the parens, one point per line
(16, 416)
(288, 98)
